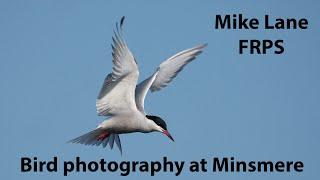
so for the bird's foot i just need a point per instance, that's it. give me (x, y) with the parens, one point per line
(102, 136)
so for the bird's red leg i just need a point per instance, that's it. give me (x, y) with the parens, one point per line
(102, 136)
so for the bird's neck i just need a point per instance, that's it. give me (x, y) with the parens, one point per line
(150, 126)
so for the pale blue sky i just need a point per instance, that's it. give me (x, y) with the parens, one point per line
(54, 56)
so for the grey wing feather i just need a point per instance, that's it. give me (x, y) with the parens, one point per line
(170, 68)
(165, 73)
(108, 85)
(142, 90)
(123, 60)
(117, 92)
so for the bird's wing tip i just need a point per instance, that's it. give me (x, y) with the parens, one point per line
(121, 21)
(203, 45)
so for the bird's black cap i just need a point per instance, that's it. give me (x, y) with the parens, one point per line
(160, 122)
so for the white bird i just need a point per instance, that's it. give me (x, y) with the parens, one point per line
(122, 100)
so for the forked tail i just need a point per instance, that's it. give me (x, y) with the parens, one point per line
(98, 137)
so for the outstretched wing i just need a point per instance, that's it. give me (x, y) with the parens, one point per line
(165, 73)
(117, 93)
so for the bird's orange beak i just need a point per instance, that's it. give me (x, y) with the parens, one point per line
(165, 132)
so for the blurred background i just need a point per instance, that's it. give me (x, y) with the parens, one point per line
(55, 54)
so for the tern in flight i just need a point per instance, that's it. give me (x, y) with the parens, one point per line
(121, 99)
